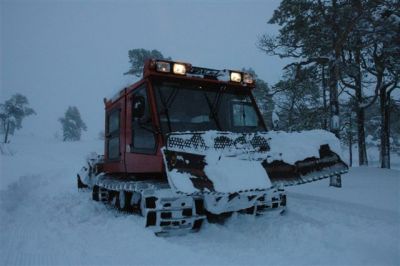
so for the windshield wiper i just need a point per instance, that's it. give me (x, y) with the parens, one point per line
(244, 115)
(213, 107)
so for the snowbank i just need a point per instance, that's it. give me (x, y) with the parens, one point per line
(46, 221)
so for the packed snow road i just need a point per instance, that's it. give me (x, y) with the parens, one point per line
(46, 221)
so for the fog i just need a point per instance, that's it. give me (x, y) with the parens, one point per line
(75, 52)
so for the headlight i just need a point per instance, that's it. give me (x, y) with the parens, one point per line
(236, 77)
(248, 78)
(163, 66)
(179, 69)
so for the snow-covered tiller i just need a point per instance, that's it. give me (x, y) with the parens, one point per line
(185, 144)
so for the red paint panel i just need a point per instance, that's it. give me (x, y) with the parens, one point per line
(144, 163)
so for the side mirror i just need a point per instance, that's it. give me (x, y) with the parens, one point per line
(138, 106)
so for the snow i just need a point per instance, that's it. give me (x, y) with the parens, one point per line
(295, 146)
(289, 147)
(226, 173)
(46, 221)
(335, 122)
(181, 182)
(233, 169)
(231, 175)
(224, 75)
(275, 118)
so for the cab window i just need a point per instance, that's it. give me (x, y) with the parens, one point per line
(244, 114)
(143, 136)
(113, 134)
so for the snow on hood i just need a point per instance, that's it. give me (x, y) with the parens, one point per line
(296, 146)
(286, 146)
(235, 169)
(227, 175)
(232, 174)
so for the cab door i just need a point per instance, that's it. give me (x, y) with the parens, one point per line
(142, 150)
(114, 132)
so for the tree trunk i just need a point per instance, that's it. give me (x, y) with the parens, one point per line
(290, 115)
(387, 128)
(334, 75)
(385, 131)
(7, 132)
(362, 150)
(325, 121)
(333, 99)
(350, 152)
(350, 137)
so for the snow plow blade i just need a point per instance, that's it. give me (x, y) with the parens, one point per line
(225, 162)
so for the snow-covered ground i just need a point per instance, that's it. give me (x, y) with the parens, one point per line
(46, 221)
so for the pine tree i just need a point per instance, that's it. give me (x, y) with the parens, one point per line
(352, 40)
(72, 124)
(137, 57)
(263, 97)
(12, 113)
(382, 61)
(312, 32)
(299, 100)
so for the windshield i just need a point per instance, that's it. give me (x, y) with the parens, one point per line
(199, 108)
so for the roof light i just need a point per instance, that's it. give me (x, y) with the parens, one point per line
(162, 66)
(248, 78)
(236, 77)
(179, 69)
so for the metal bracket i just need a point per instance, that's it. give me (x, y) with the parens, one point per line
(335, 181)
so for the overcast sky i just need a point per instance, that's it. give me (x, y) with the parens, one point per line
(61, 53)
